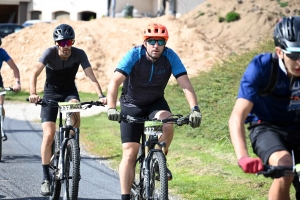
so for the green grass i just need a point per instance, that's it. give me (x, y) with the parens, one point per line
(202, 160)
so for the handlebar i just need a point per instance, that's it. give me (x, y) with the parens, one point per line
(53, 103)
(278, 171)
(173, 119)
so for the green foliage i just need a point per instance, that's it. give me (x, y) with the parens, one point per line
(208, 5)
(200, 13)
(221, 19)
(282, 4)
(232, 16)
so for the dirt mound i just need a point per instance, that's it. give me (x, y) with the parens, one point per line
(198, 37)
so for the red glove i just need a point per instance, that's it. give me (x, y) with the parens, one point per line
(250, 165)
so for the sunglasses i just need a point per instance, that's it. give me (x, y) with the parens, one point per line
(160, 42)
(292, 55)
(63, 43)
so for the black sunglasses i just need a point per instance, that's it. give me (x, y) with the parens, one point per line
(292, 55)
(160, 42)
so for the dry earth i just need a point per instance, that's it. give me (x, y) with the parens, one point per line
(200, 40)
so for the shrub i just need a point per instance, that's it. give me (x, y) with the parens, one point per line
(221, 19)
(232, 16)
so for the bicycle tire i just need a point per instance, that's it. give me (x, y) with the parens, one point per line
(72, 156)
(158, 177)
(137, 189)
(55, 184)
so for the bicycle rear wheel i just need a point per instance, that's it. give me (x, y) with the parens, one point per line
(71, 170)
(158, 177)
(55, 184)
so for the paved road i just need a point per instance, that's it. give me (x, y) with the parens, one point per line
(21, 170)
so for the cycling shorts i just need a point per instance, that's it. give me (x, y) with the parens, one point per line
(133, 132)
(267, 139)
(49, 113)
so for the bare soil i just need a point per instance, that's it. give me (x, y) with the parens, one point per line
(198, 37)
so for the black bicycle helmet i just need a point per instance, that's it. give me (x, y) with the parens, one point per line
(63, 32)
(287, 32)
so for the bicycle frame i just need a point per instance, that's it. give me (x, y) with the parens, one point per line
(142, 188)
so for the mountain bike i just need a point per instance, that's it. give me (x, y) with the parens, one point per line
(65, 160)
(151, 181)
(3, 136)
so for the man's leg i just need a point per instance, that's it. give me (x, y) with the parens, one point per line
(172, 7)
(108, 7)
(46, 153)
(127, 167)
(280, 188)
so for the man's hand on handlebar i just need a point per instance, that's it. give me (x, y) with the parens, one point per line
(34, 98)
(195, 119)
(251, 165)
(113, 114)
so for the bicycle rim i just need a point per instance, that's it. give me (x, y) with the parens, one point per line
(158, 177)
(72, 170)
(55, 184)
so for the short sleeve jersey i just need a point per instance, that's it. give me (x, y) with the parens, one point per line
(4, 57)
(62, 72)
(270, 107)
(146, 80)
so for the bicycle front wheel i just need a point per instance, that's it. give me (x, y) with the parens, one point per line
(72, 170)
(158, 177)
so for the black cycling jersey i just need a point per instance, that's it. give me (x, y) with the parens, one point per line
(62, 72)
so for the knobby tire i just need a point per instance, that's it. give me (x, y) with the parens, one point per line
(158, 177)
(72, 169)
(56, 184)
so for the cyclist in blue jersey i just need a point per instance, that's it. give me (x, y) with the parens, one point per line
(275, 117)
(4, 57)
(62, 63)
(145, 71)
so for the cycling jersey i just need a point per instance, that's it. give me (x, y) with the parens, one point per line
(62, 72)
(3, 57)
(270, 107)
(146, 80)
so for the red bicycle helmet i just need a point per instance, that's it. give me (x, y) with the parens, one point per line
(156, 30)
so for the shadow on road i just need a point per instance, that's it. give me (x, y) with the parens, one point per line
(17, 158)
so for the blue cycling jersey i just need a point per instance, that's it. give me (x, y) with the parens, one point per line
(146, 80)
(270, 107)
(3, 56)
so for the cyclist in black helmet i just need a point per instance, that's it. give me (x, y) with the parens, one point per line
(61, 62)
(275, 117)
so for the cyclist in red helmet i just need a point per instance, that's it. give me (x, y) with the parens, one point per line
(145, 71)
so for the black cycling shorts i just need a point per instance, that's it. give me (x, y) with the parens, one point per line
(133, 132)
(49, 113)
(267, 139)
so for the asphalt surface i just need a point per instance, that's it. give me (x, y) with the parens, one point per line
(21, 170)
